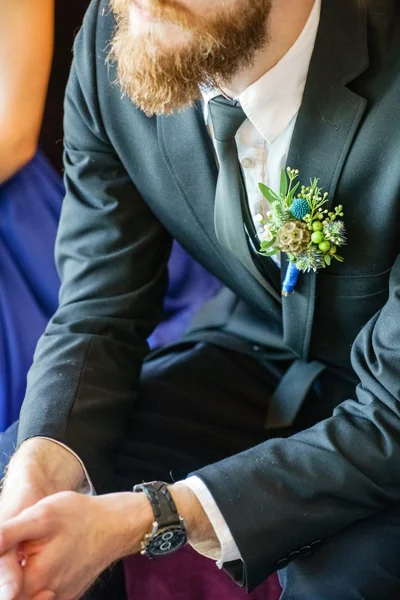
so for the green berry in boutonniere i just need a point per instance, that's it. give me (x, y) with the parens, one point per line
(299, 225)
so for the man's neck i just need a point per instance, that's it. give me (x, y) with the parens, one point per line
(285, 24)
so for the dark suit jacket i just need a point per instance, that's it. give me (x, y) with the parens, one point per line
(133, 182)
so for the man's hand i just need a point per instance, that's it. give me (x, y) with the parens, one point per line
(55, 542)
(39, 468)
(68, 539)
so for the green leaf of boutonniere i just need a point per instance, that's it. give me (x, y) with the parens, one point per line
(284, 184)
(292, 193)
(268, 193)
(266, 245)
(269, 252)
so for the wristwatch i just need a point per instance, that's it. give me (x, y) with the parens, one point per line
(168, 533)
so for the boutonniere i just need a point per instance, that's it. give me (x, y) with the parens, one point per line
(299, 225)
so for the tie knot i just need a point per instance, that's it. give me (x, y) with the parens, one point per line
(226, 117)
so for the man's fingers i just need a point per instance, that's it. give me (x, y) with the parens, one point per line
(29, 525)
(10, 576)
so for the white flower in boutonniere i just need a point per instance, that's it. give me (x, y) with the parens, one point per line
(267, 234)
(301, 227)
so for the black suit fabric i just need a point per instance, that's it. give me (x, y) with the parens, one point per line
(135, 182)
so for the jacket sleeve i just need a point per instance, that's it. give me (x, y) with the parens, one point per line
(111, 255)
(285, 494)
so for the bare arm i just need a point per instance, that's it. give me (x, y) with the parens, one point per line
(26, 46)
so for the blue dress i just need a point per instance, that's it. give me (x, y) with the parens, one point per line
(30, 204)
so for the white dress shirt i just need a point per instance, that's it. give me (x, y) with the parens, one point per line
(271, 105)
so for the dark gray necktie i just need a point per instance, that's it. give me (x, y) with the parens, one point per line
(231, 207)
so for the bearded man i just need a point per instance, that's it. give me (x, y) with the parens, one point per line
(278, 416)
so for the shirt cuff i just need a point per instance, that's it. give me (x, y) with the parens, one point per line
(87, 486)
(229, 549)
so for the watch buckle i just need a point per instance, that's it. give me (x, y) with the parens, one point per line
(147, 537)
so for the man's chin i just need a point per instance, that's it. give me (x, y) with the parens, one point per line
(158, 34)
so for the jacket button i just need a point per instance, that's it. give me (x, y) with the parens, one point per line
(295, 554)
(315, 545)
(282, 563)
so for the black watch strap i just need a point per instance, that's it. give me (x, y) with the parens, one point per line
(163, 505)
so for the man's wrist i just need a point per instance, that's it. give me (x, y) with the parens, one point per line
(201, 534)
(128, 517)
(47, 460)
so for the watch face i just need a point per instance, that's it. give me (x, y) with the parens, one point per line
(166, 542)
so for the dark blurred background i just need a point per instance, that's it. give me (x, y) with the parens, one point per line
(68, 19)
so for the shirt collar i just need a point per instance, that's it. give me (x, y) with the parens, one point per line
(271, 102)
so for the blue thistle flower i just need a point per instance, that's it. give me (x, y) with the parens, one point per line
(300, 208)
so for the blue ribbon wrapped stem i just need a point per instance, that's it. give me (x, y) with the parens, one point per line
(291, 277)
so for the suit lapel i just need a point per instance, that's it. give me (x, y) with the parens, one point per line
(189, 153)
(326, 125)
